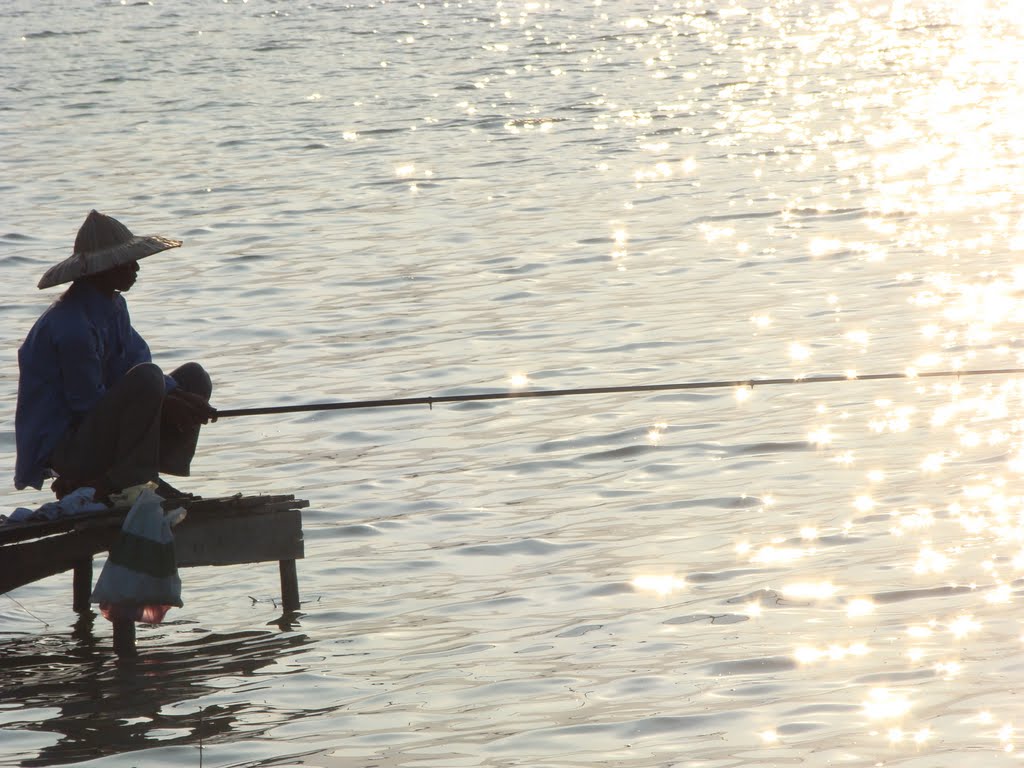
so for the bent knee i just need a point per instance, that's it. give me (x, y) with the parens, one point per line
(192, 377)
(146, 378)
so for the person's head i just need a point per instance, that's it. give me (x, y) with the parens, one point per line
(106, 255)
(117, 279)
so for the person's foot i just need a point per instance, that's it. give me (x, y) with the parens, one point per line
(167, 491)
(61, 488)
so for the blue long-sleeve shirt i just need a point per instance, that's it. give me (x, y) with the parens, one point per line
(79, 348)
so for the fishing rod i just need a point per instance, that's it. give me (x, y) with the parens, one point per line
(512, 395)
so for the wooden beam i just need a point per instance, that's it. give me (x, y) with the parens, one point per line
(254, 538)
(124, 637)
(82, 589)
(289, 586)
(30, 561)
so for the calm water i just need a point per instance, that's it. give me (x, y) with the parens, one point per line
(390, 199)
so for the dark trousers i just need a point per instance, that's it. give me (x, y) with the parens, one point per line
(123, 441)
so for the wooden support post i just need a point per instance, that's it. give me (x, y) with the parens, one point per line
(289, 586)
(82, 585)
(124, 637)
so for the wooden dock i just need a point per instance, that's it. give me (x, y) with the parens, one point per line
(231, 530)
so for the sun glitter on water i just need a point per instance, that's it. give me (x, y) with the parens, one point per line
(659, 585)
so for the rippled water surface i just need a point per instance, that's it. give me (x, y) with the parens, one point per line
(392, 199)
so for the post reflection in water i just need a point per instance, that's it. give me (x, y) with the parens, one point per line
(96, 706)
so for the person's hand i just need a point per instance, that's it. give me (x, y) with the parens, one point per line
(60, 488)
(183, 410)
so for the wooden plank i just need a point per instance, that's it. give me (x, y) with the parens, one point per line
(30, 561)
(264, 536)
(15, 532)
(237, 503)
(226, 505)
(229, 511)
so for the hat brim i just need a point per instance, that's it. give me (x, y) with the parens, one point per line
(84, 264)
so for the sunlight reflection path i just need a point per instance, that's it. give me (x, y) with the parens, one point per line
(937, 144)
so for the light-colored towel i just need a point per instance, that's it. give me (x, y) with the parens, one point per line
(77, 502)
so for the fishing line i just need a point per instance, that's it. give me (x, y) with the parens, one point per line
(634, 388)
(26, 610)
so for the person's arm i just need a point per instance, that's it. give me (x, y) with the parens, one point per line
(136, 350)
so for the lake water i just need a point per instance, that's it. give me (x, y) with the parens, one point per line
(397, 199)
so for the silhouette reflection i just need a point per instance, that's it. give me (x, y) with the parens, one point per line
(108, 707)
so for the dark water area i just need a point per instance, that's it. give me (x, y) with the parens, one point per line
(98, 709)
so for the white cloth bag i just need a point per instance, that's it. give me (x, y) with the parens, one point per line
(141, 571)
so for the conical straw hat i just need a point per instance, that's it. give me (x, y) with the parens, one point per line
(103, 243)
